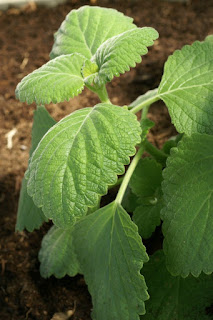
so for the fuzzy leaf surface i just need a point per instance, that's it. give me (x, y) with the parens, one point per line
(187, 88)
(116, 55)
(187, 215)
(29, 216)
(174, 297)
(79, 158)
(56, 81)
(85, 29)
(57, 255)
(111, 256)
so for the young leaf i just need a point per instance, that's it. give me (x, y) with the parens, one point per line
(29, 216)
(174, 297)
(78, 158)
(111, 256)
(187, 88)
(85, 29)
(56, 81)
(147, 218)
(57, 254)
(119, 53)
(187, 215)
(146, 178)
(146, 125)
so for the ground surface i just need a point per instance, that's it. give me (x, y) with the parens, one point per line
(26, 37)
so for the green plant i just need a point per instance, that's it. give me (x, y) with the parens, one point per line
(75, 161)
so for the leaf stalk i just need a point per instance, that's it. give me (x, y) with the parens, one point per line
(144, 104)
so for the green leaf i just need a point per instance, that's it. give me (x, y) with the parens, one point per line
(146, 178)
(147, 218)
(111, 256)
(146, 125)
(174, 298)
(119, 53)
(57, 254)
(29, 216)
(187, 88)
(145, 97)
(79, 158)
(187, 216)
(129, 202)
(168, 145)
(85, 29)
(209, 38)
(56, 81)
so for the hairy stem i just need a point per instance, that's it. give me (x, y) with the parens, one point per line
(144, 104)
(159, 155)
(145, 112)
(128, 175)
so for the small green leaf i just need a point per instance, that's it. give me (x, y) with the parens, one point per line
(29, 216)
(168, 145)
(209, 38)
(187, 88)
(79, 158)
(146, 178)
(145, 97)
(56, 81)
(111, 256)
(147, 217)
(119, 53)
(57, 254)
(174, 298)
(146, 125)
(187, 215)
(89, 71)
(85, 29)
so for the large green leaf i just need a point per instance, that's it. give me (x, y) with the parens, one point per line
(57, 254)
(85, 29)
(78, 158)
(147, 217)
(30, 216)
(56, 81)
(187, 216)
(119, 53)
(146, 178)
(111, 256)
(187, 88)
(175, 298)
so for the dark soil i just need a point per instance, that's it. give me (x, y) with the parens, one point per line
(26, 37)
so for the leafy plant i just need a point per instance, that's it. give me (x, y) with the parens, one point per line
(74, 162)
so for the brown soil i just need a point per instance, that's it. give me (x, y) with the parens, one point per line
(26, 37)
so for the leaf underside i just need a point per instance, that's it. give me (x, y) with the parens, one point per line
(85, 29)
(119, 53)
(57, 254)
(187, 216)
(56, 81)
(78, 158)
(174, 297)
(187, 88)
(111, 256)
(29, 216)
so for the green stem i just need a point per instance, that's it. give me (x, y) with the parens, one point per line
(101, 92)
(128, 175)
(144, 104)
(157, 154)
(145, 112)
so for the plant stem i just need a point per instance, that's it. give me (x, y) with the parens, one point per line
(145, 104)
(103, 95)
(128, 175)
(159, 155)
(145, 112)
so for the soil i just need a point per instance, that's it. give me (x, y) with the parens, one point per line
(26, 38)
